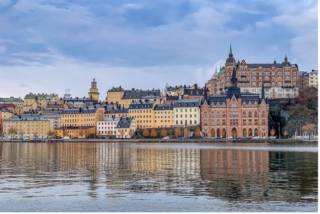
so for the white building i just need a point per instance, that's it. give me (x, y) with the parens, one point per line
(126, 127)
(186, 113)
(108, 127)
(313, 79)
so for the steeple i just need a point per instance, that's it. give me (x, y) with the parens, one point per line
(230, 51)
(234, 79)
(230, 60)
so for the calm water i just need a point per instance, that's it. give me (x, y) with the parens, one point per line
(157, 177)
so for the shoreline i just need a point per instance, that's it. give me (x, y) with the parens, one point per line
(159, 140)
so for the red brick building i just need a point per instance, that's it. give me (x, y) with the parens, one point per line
(235, 114)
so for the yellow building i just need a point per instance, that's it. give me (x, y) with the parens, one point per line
(143, 114)
(115, 95)
(75, 132)
(81, 117)
(94, 91)
(163, 116)
(26, 127)
(38, 101)
(126, 97)
(4, 115)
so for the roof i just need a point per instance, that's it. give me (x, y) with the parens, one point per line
(186, 103)
(27, 117)
(172, 97)
(141, 105)
(268, 65)
(10, 100)
(124, 123)
(79, 111)
(160, 107)
(116, 89)
(139, 94)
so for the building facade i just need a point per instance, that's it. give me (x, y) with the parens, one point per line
(235, 114)
(126, 127)
(281, 80)
(81, 117)
(313, 79)
(28, 126)
(163, 116)
(186, 113)
(108, 127)
(143, 114)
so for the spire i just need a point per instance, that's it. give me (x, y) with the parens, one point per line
(230, 51)
(230, 60)
(234, 79)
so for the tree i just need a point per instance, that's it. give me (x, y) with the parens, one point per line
(51, 133)
(177, 132)
(309, 128)
(12, 131)
(197, 132)
(146, 133)
(163, 133)
(154, 133)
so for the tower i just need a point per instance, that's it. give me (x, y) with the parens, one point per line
(94, 91)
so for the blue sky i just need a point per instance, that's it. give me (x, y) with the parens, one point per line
(51, 45)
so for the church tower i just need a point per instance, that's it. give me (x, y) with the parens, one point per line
(94, 91)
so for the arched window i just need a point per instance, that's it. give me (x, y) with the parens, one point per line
(255, 132)
(255, 114)
(250, 114)
(244, 133)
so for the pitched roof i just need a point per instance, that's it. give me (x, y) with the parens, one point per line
(140, 94)
(160, 107)
(124, 123)
(186, 103)
(141, 105)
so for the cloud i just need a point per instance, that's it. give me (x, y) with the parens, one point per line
(159, 41)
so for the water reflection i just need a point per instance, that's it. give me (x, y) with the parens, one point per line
(118, 169)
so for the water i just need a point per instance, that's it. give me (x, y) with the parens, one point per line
(157, 177)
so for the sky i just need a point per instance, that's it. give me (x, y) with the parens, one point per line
(53, 45)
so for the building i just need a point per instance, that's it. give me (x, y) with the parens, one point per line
(4, 115)
(108, 127)
(94, 91)
(186, 113)
(76, 102)
(75, 132)
(303, 80)
(163, 116)
(235, 114)
(125, 97)
(81, 117)
(126, 127)
(15, 103)
(143, 114)
(38, 101)
(114, 95)
(26, 126)
(281, 80)
(54, 118)
(313, 79)
(115, 111)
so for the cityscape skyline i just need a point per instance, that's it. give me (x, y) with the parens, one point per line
(127, 44)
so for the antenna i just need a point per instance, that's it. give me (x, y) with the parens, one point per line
(67, 93)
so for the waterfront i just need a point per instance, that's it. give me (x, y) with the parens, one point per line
(157, 177)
